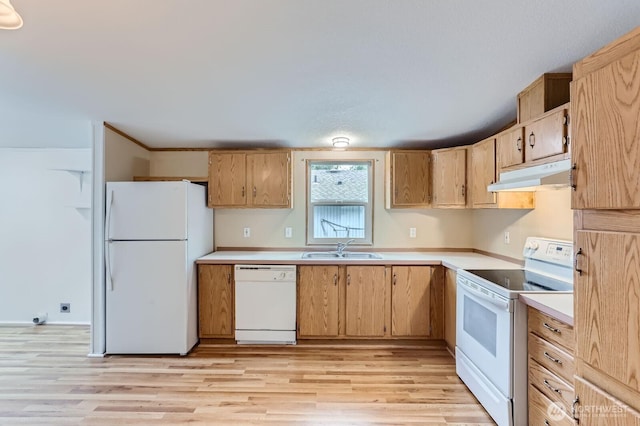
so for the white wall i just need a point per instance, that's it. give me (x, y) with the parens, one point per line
(552, 218)
(45, 241)
(123, 158)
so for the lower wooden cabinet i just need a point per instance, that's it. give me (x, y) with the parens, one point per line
(215, 301)
(450, 294)
(551, 369)
(410, 301)
(365, 301)
(370, 301)
(596, 407)
(318, 301)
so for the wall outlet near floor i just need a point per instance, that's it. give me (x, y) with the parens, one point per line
(288, 232)
(412, 232)
(247, 232)
(65, 308)
(507, 237)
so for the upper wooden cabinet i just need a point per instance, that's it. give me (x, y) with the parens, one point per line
(545, 93)
(510, 148)
(605, 111)
(483, 174)
(547, 135)
(408, 183)
(544, 138)
(255, 179)
(318, 301)
(449, 177)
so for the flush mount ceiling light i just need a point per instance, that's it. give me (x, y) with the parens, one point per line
(340, 142)
(9, 18)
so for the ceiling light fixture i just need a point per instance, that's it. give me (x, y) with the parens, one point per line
(340, 142)
(9, 18)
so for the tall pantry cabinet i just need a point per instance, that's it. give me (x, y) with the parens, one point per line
(605, 114)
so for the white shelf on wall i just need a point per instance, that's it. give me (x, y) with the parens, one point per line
(78, 173)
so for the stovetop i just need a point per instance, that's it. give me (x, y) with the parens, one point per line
(520, 280)
(547, 268)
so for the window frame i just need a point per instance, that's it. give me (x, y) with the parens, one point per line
(367, 240)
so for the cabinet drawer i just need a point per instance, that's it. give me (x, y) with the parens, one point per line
(542, 413)
(553, 387)
(551, 357)
(551, 329)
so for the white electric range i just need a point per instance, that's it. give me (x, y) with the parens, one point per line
(491, 325)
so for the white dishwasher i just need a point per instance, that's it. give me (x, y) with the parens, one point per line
(265, 304)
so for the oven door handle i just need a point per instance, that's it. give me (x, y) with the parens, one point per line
(499, 302)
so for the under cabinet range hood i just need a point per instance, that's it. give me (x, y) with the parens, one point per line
(544, 176)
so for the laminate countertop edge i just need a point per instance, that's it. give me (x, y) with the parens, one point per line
(558, 306)
(451, 260)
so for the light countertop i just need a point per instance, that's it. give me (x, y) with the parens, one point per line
(558, 306)
(452, 260)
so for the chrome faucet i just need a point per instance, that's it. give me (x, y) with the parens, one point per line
(341, 247)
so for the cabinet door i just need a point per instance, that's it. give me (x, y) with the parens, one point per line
(597, 407)
(269, 179)
(605, 112)
(449, 178)
(227, 184)
(510, 148)
(318, 292)
(410, 179)
(365, 301)
(215, 301)
(483, 167)
(547, 136)
(607, 303)
(410, 301)
(450, 292)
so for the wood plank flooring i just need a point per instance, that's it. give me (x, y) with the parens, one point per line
(47, 379)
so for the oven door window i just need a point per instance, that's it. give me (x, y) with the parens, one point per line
(480, 323)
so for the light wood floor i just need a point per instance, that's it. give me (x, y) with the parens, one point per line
(47, 379)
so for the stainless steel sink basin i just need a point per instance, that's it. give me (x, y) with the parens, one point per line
(336, 255)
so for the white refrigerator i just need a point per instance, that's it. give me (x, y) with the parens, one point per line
(154, 231)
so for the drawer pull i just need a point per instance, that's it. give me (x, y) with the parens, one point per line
(557, 361)
(546, 422)
(547, 384)
(548, 327)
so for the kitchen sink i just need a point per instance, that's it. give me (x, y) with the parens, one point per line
(336, 255)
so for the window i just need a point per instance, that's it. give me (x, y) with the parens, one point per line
(339, 201)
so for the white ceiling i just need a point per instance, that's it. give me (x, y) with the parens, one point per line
(207, 73)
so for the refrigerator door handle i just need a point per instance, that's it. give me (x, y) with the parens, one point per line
(107, 243)
(107, 258)
(108, 219)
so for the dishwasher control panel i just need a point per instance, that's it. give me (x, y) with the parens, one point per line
(265, 273)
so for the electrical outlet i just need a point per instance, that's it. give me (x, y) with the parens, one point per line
(247, 232)
(288, 232)
(412, 232)
(507, 237)
(65, 308)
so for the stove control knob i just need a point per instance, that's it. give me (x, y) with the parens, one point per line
(533, 245)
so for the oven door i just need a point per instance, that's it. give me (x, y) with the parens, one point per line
(484, 332)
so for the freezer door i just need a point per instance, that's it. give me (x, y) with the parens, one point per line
(146, 211)
(146, 303)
